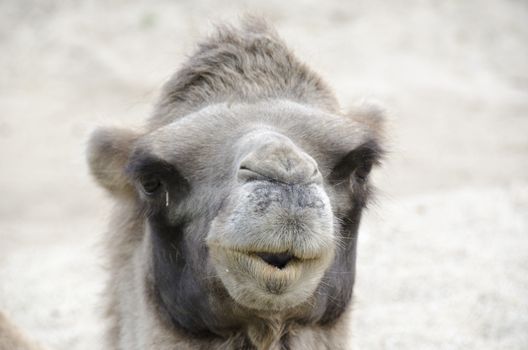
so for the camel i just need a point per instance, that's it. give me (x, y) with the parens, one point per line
(237, 204)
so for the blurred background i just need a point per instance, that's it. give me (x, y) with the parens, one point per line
(443, 254)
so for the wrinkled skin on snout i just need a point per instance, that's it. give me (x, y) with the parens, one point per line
(250, 211)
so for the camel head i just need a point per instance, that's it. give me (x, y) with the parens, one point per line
(246, 191)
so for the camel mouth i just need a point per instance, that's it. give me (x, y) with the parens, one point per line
(277, 260)
(268, 265)
(269, 279)
(271, 263)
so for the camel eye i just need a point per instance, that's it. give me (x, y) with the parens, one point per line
(150, 184)
(357, 163)
(362, 172)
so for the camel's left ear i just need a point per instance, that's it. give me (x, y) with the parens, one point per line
(108, 153)
(370, 114)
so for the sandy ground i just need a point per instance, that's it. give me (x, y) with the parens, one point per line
(443, 255)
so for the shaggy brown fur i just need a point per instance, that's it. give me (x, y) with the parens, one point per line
(241, 65)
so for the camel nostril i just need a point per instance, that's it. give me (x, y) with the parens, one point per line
(275, 158)
(278, 260)
(248, 174)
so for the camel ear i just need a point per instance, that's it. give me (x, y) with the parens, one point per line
(108, 152)
(370, 114)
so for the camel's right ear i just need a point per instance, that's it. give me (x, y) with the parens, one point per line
(108, 152)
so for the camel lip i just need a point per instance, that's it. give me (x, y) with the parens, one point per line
(281, 275)
(269, 266)
(272, 253)
(277, 260)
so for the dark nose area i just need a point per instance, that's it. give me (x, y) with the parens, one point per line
(279, 260)
(278, 159)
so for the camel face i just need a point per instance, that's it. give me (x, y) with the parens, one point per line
(238, 203)
(246, 201)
